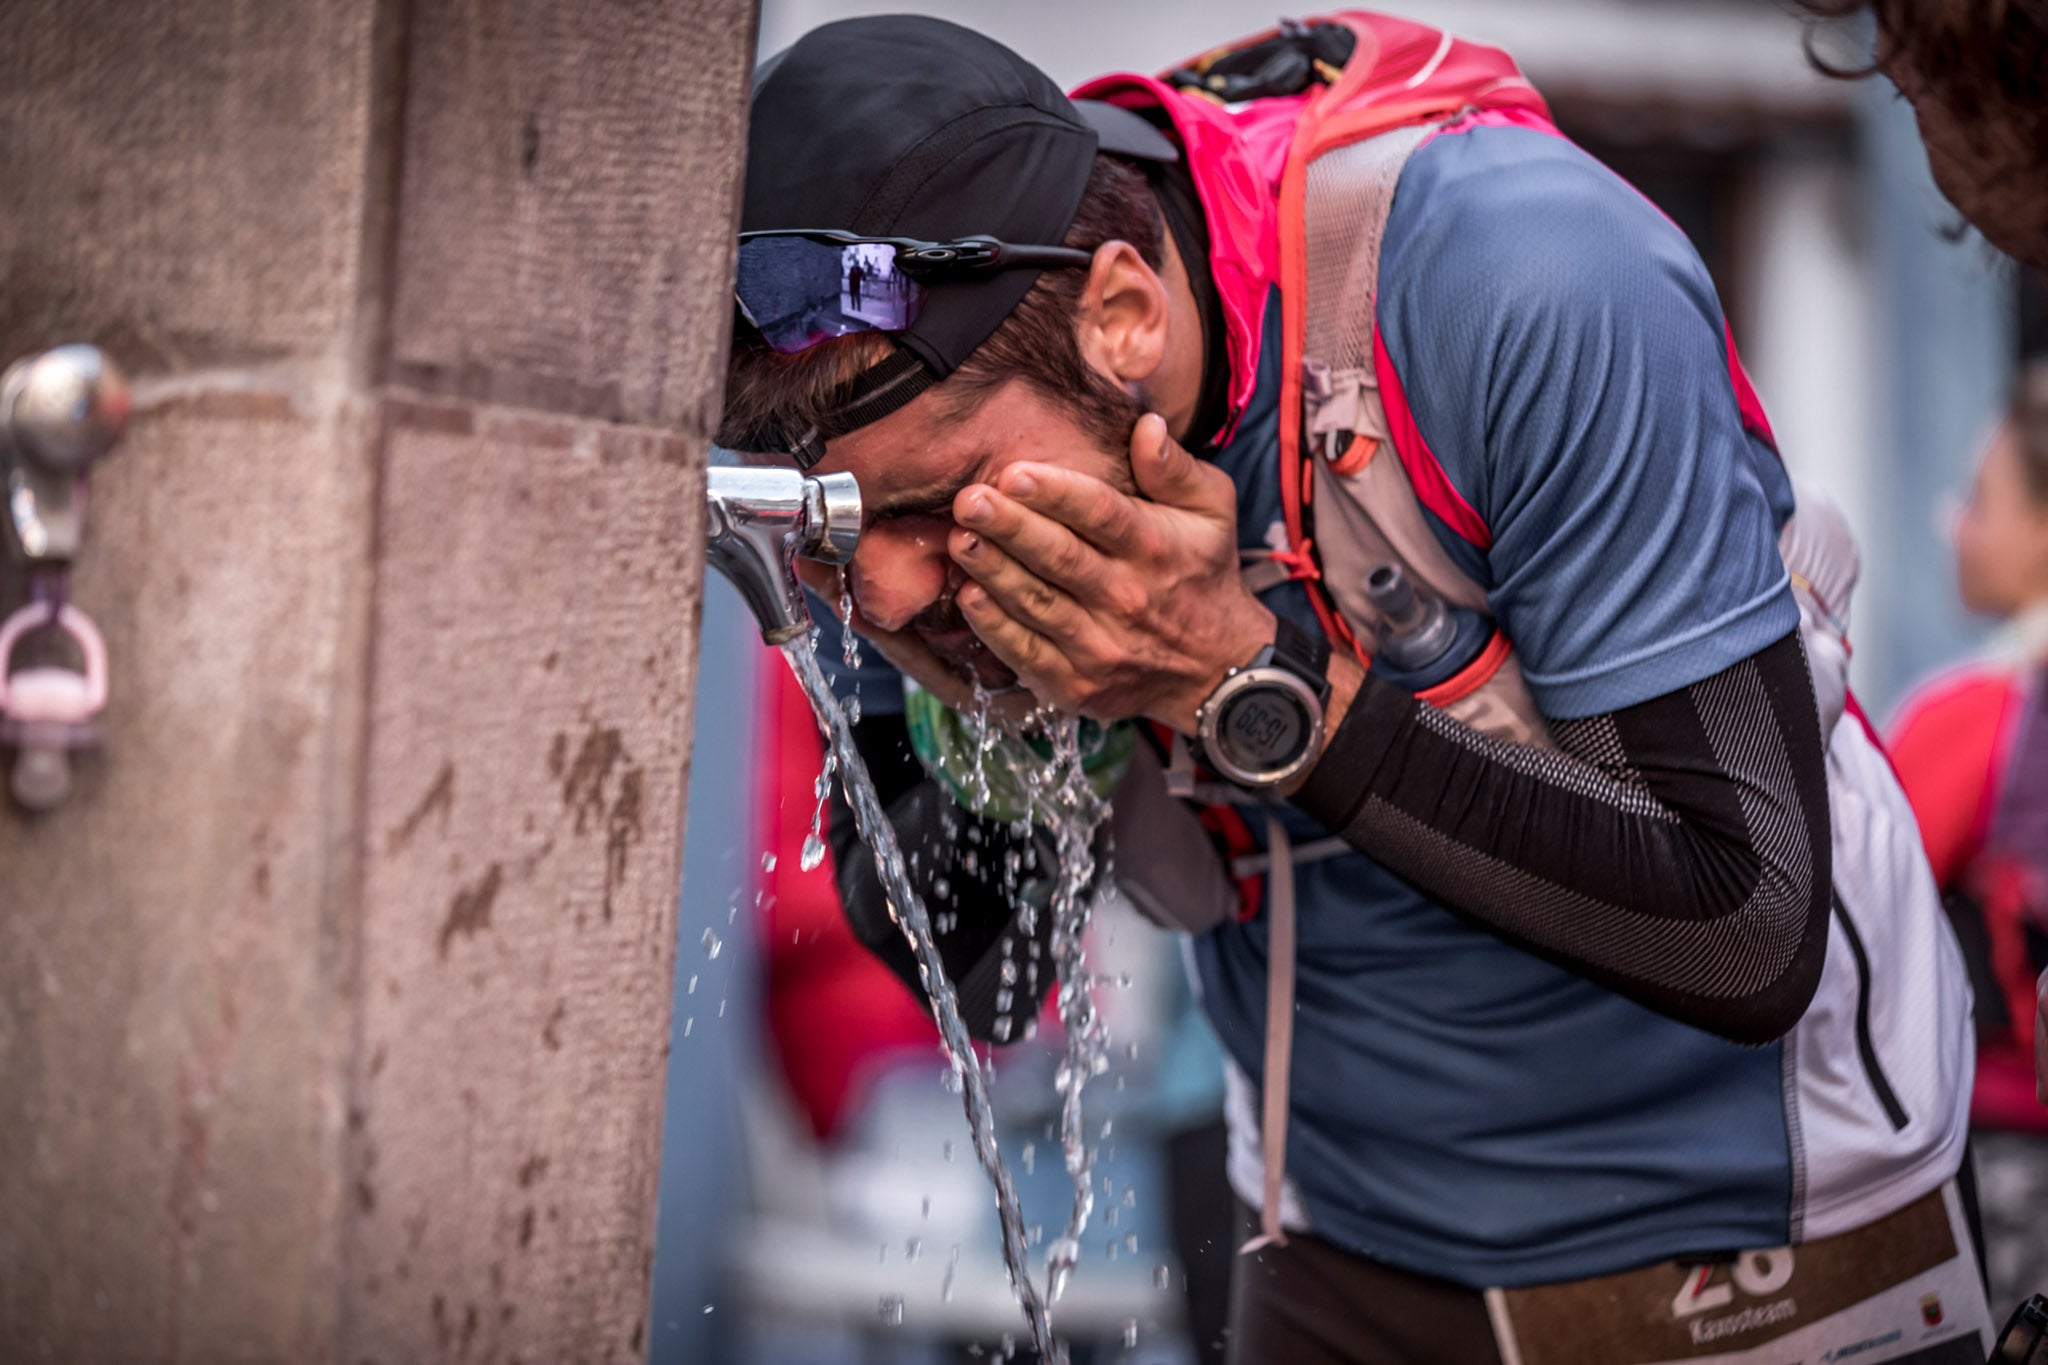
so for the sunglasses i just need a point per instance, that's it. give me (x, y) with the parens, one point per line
(801, 286)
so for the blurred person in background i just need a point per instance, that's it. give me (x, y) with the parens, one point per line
(1972, 750)
(1976, 72)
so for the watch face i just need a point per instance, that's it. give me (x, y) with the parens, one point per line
(1263, 727)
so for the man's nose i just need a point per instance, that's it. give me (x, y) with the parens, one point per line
(897, 573)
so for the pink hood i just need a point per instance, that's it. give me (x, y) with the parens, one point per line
(1237, 200)
(1236, 156)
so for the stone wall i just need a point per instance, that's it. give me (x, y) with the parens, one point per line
(333, 1005)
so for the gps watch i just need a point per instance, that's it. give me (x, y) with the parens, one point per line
(1263, 725)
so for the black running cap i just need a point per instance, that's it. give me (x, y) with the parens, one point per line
(905, 126)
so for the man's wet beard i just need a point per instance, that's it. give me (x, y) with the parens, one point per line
(945, 631)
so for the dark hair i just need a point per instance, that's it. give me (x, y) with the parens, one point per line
(1036, 343)
(1972, 56)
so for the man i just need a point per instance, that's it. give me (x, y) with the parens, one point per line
(1568, 1023)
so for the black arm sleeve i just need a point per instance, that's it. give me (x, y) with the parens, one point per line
(1677, 851)
(959, 864)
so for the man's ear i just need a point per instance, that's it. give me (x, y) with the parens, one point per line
(1122, 319)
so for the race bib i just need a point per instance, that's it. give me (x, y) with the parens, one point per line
(1903, 1289)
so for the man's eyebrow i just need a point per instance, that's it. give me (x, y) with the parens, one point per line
(921, 503)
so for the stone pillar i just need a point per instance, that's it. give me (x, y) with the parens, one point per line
(333, 1005)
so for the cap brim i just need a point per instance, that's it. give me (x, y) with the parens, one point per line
(1120, 132)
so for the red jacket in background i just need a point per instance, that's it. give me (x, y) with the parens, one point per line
(1968, 749)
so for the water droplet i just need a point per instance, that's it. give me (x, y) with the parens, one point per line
(711, 944)
(892, 1310)
(912, 1250)
(1131, 1334)
(1061, 887)
(926, 1211)
(813, 854)
(849, 642)
(689, 1024)
(1028, 1154)
(1162, 1277)
(1059, 1265)
(707, 1308)
(692, 990)
(767, 862)
(1009, 972)
(946, 1149)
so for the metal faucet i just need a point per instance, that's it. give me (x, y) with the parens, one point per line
(761, 520)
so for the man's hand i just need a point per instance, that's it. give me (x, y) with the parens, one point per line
(1107, 604)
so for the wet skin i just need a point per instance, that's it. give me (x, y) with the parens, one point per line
(1007, 548)
(1006, 544)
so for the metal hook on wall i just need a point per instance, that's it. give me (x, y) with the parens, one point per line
(60, 411)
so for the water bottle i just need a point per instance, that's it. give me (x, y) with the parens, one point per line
(1423, 641)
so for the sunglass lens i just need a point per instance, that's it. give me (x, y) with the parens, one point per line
(799, 292)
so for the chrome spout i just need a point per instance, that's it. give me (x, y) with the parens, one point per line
(762, 520)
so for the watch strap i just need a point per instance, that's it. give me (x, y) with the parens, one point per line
(1304, 653)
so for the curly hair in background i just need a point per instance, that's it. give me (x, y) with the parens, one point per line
(1976, 72)
(1970, 53)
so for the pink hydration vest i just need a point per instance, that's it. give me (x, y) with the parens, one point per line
(1296, 190)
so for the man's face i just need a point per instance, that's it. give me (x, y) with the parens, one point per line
(911, 466)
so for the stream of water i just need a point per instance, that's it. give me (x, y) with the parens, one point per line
(910, 916)
(1062, 801)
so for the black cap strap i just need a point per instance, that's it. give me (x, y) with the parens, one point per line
(868, 397)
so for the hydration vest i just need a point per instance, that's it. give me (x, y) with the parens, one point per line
(1358, 485)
